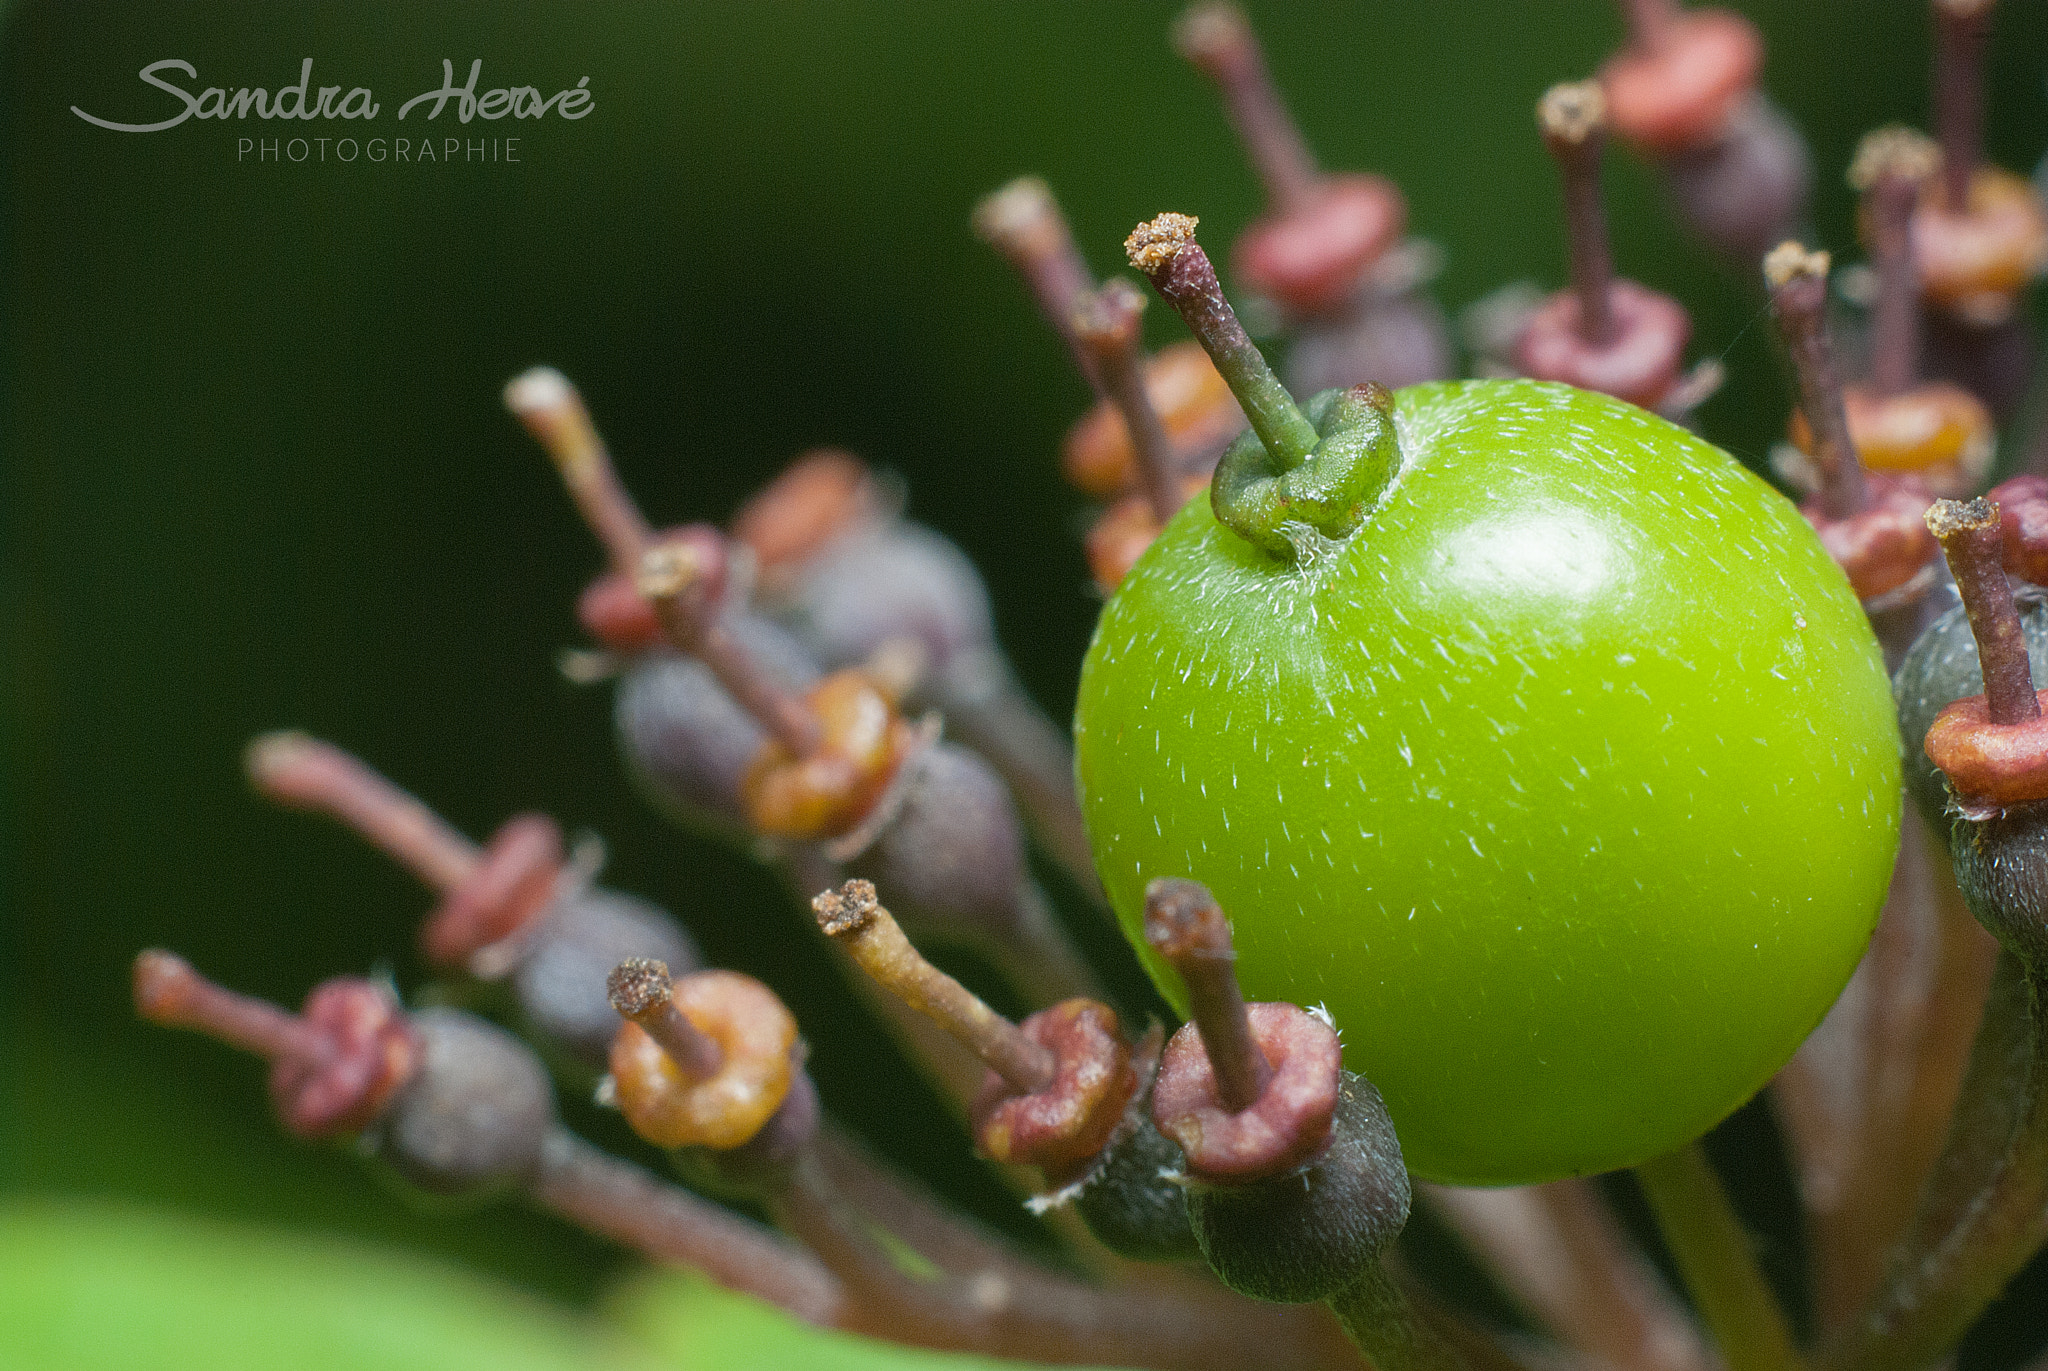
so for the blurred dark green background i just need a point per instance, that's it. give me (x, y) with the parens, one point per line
(256, 472)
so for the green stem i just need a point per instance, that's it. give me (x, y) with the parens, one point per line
(1714, 1257)
(1166, 251)
(1356, 458)
(1388, 1329)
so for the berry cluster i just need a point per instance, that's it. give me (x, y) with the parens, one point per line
(819, 684)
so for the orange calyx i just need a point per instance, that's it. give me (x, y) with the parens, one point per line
(1885, 546)
(1194, 405)
(1975, 261)
(1639, 364)
(756, 1034)
(1119, 537)
(863, 740)
(1679, 94)
(1987, 763)
(816, 498)
(1062, 1128)
(1937, 431)
(1313, 258)
(510, 889)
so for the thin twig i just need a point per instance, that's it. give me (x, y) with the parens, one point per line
(601, 1193)
(1714, 1256)
(1012, 1309)
(1866, 1099)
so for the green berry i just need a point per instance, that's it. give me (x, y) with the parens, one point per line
(1567, 779)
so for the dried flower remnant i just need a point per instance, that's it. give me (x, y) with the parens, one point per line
(514, 910)
(1605, 333)
(1328, 251)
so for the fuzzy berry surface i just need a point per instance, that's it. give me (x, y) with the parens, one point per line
(1568, 783)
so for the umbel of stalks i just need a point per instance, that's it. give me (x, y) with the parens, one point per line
(779, 686)
(837, 776)
(855, 579)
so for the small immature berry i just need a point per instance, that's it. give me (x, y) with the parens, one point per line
(476, 1113)
(1941, 668)
(686, 741)
(514, 908)
(673, 1103)
(1305, 1234)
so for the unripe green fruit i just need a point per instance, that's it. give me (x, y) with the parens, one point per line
(1568, 782)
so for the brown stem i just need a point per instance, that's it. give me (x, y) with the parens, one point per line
(673, 577)
(1970, 539)
(1573, 119)
(640, 990)
(554, 414)
(856, 920)
(1218, 42)
(170, 992)
(973, 1297)
(1961, 28)
(1185, 925)
(1106, 326)
(1023, 222)
(1559, 1252)
(607, 1196)
(1889, 168)
(306, 773)
(1866, 1100)
(1895, 319)
(1798, 281)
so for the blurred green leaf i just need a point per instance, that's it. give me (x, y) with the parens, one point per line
(695, 1324)
(91, 1286)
